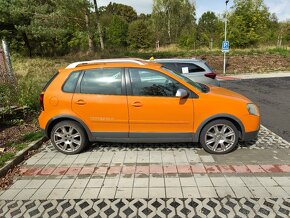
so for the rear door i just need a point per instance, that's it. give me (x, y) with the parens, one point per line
(101, 102)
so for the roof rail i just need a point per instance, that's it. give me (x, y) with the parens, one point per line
(120, 60)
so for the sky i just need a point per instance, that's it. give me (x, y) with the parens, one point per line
(280, 7)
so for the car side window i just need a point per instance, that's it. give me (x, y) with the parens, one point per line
(147, 82)
(173, 67)
(70, 84)
(192, 68)
(102, 81)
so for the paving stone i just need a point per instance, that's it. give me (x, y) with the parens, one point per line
(50, 184)
(155, 157)
(282, 181)
(225, 192)
(118, 157)
(41, 194)
(126, 182)
(35, 184)
(242, 192)
(25, 194)
(203, 181)
(74, 193)
(10, 194)
(111, 182)
(192, 157)
(143, 157)
(267, 181)
(219, 181)
(276, 192)
(140, 192)
(157, 192)
(19, 184)
(190, 192)
(156, 182)
(173, 192)
(79, 183)
(187, 181)
(91, 193)
(259, 192)
(57, 194)
(172, 182)
(141, 182)
(207, 192)
(287, 189)
(131, 157)
(64, 183)
(123, 193)
(107, 157)
(207, 158)
(168, 157)
(251, 181)
(235, 181)
(180, 157)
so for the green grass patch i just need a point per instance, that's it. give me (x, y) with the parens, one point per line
(6, 157)
(30, 137)
(19, 147)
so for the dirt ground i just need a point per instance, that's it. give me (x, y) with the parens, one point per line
(249, 64)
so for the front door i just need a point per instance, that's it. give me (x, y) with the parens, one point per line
(101, 102)
(154, 109)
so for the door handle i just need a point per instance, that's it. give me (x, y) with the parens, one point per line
(80, 102)
(137, 104)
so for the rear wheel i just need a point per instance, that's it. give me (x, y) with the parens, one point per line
(219, 137)
(69, 137)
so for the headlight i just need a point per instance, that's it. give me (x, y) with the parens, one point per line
(253, 109)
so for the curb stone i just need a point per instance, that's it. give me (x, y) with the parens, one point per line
(20, 156)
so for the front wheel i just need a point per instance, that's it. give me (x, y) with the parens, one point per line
(219, 137)
(69, 137)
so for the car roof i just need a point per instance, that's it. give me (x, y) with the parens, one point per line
(106, 63)
(178, 60)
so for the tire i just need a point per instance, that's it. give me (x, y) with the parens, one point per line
(219, 137)
(69, 137)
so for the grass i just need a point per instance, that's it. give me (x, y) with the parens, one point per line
(22, 144)
(6, 157)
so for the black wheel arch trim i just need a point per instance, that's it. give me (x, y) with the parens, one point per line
(196, 135)
(68, 117)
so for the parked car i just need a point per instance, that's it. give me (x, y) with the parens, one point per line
(130, 100)
(195, 69)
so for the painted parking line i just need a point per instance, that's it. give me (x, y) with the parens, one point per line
(157, 169)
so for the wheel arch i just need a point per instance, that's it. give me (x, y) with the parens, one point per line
(237, 122)
(52, 122)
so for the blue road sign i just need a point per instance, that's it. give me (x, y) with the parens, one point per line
(226, 46)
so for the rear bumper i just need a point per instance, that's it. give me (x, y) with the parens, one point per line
(250, 136)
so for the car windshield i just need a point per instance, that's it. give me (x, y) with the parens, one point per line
(189, 81)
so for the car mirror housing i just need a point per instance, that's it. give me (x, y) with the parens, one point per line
(181, 93)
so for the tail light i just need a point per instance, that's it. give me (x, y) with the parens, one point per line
(211, 75)
(41, 101)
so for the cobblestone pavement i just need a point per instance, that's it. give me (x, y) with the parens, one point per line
(161, 180)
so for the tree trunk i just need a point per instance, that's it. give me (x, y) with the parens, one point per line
(169, 27)
(99, 25)
(27, 44)
(90, 36)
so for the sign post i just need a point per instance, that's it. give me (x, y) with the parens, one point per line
(226, 44)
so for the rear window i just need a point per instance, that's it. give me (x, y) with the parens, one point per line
(70, 84)
(49, 82)
(190, 68)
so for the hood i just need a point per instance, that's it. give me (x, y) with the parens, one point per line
(222, 92)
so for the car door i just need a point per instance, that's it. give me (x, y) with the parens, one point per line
(154, 109)
(101, 102)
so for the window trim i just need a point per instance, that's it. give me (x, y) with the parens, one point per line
(123, 85)
(50, 81)
(130, 88)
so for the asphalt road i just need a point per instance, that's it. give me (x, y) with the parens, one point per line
(272, 95)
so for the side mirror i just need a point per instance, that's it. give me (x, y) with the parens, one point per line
(181, 93)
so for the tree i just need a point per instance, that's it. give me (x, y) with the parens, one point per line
(117, 32)
(171, 17)
(248, 22)
(209, 29)
(124, 11)
(140, 35)
(99, 25)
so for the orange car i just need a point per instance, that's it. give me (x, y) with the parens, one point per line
(132, 100)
